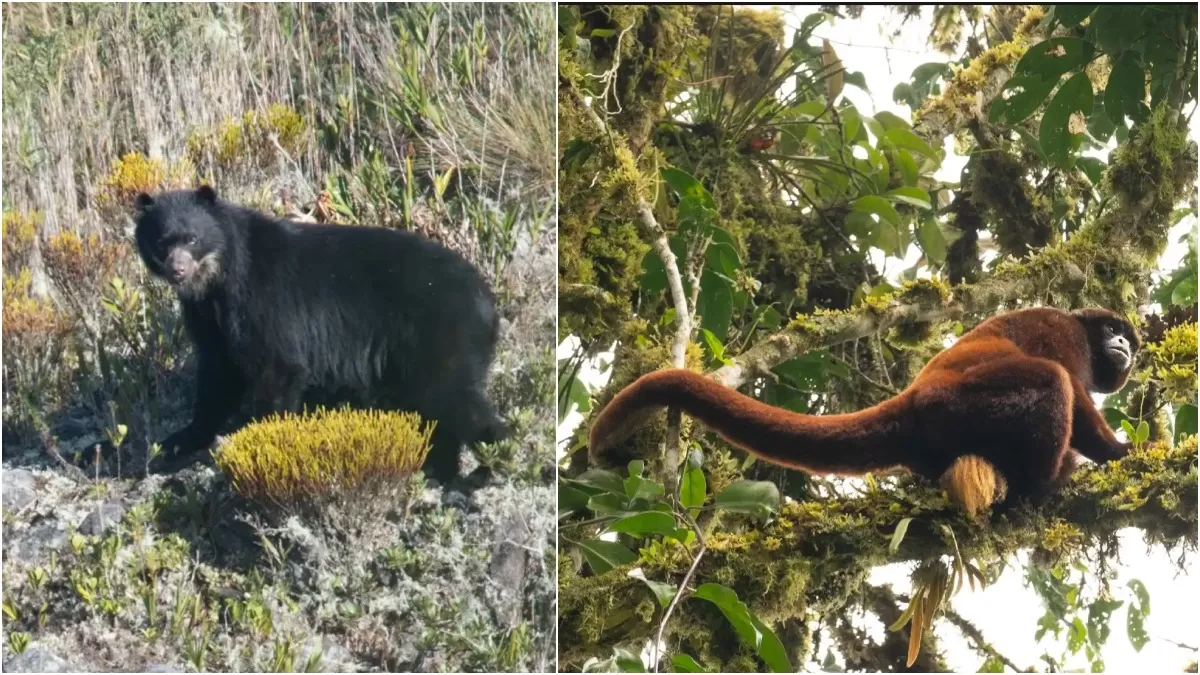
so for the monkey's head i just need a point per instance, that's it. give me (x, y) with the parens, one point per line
(1113, 342)
(181, 240)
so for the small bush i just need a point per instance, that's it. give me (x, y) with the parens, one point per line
(338, 457)
(1174, 364)
(35, 334)
(135, 173)
(19, 231)
(251, 140)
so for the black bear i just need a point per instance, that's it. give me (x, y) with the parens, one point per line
(284, 314)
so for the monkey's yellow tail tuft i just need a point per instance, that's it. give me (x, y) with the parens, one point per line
(973, 483)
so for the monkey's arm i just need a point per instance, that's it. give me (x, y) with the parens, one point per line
(1090, 433)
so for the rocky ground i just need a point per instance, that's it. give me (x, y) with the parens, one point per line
(175, 573)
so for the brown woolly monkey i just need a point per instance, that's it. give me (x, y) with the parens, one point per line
(1010, 396)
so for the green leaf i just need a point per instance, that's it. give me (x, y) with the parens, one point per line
(603, 556)
(1055, 134)
(647, 522)
(722, 253)
(1143, 431)
(1126, 90)
(898, 535)
(1185, 422)
(571, 499)
(1115, 28)
(932, 241)
(752, 631)
(609, 504)
(735, 611)
(1143, 595)
(637, 467)
(715, 303)
(714, 345)
(664, 593)
(1070, 16)
(687, 187)
(603, 32)
(891, 121)
(886, 238)
(1092, 168)
(913, 196)
(682, 663)
(1184, 293)
(748, 496)
(1135, 628)
(770, 649)
(693, 489)
(903, 138)
(907, 165)
(1053, 58)
(641, 488)
(600, 479)
(878, 206)
(1019, 98)
(1115, 417)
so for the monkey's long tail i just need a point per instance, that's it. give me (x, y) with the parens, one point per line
(852, 444)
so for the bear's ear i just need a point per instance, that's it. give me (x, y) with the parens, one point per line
(143, 202)
(207, 194)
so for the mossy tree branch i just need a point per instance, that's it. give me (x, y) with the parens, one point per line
(816, 555)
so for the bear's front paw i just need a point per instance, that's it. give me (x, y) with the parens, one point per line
(178, 448)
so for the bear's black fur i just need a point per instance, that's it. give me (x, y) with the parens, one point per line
(286, 314)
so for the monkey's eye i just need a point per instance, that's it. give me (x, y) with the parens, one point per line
(190, 240)
(1109, 330)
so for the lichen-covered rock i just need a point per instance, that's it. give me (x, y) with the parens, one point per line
(36, 660)
(102, 519)
(33, 546)
(18, 489)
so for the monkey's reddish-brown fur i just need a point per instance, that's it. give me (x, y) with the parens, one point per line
(1014, 391)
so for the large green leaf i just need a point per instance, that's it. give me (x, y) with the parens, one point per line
(1075, 96)
(682, 663)
(1185, 422)
(1070, 16)
(1020, 97)
(932, 241)
(687, 187)
(1053, 58)
(878, 206)
(1118, 27)
(903, 138)
(603, 556)
(692, 489)
(715, 303)
(601, 479)
(1126, 90)
(913, 196)
(647, 522)
(571, 499)
(749, 628)
(749, 496)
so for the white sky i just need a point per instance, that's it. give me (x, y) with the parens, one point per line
(1006, 612)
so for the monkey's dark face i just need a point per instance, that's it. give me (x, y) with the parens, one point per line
(181, 240)
(1114, 342)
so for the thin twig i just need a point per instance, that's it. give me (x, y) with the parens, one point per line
(675, 601)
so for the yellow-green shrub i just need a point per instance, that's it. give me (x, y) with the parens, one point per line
(248, 141)
(338, 456)
(1174, 363)
(19, 230)
(136, 173)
